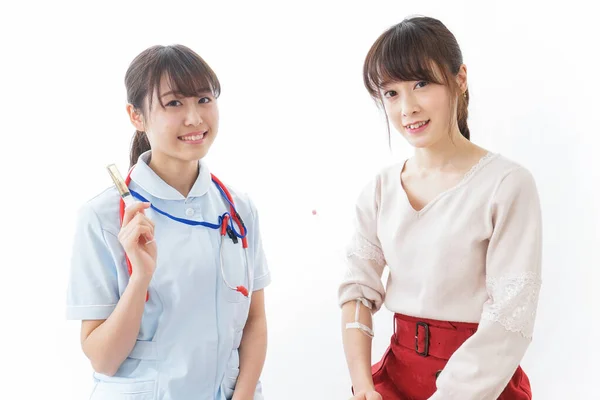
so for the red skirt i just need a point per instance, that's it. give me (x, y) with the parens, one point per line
(412, 362)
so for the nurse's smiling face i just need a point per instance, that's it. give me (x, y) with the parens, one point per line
(172, 102)
(178, 126)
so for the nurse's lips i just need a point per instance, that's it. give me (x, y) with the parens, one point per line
(193, 138)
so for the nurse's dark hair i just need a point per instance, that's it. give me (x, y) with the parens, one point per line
(410, 51)
(187, 73)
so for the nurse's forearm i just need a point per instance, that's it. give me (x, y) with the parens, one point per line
(253, 351)
(357, 347)
(110, 343)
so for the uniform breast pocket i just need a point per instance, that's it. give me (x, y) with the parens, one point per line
(124, 391)
(235, 271)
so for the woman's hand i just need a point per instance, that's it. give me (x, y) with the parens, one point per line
(367, 395)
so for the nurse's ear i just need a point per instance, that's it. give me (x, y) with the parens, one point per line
(136, 118)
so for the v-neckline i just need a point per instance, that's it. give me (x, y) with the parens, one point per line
(466, 177)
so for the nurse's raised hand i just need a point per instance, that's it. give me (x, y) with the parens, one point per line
(136, 231)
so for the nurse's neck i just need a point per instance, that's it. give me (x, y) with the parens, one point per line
(180, 175)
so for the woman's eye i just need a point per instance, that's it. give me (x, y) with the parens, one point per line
(422, 84)
(390, 93)
(204, 100)
(173, 103)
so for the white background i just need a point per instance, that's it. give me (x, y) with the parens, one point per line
(298, 132)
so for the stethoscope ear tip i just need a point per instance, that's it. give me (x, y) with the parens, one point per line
(242, 290)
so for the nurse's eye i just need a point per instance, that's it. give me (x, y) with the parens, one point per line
(390, 93)
(204, 100)
(173, 103)
(421, 84)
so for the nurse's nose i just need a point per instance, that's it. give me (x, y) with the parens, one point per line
(193, 117)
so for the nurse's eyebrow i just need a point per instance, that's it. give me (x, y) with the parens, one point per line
(172, 92)
(169, 93)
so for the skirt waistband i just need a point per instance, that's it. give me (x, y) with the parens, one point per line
(428, 337)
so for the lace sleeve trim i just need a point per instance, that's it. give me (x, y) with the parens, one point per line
(513, 302)
(362, 248)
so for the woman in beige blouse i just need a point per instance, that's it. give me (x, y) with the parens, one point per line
(459, 228)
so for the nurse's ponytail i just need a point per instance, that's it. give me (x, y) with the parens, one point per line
(187, 73)
(139, 145)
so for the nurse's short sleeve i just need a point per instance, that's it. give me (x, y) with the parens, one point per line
(262, 275)
(92, 292)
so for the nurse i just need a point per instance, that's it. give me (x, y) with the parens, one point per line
(175, 328)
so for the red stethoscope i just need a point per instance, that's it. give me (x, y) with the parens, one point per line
(225, 227)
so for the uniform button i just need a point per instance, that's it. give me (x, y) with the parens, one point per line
(189, 212)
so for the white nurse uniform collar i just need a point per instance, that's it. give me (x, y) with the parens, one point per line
(148, 180)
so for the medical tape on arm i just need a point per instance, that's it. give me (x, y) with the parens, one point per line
(357, 324)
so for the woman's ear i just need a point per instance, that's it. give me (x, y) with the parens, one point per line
(461, 78)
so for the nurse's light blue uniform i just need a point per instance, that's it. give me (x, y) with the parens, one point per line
(192, 324)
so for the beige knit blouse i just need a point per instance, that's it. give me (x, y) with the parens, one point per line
(473, 254)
